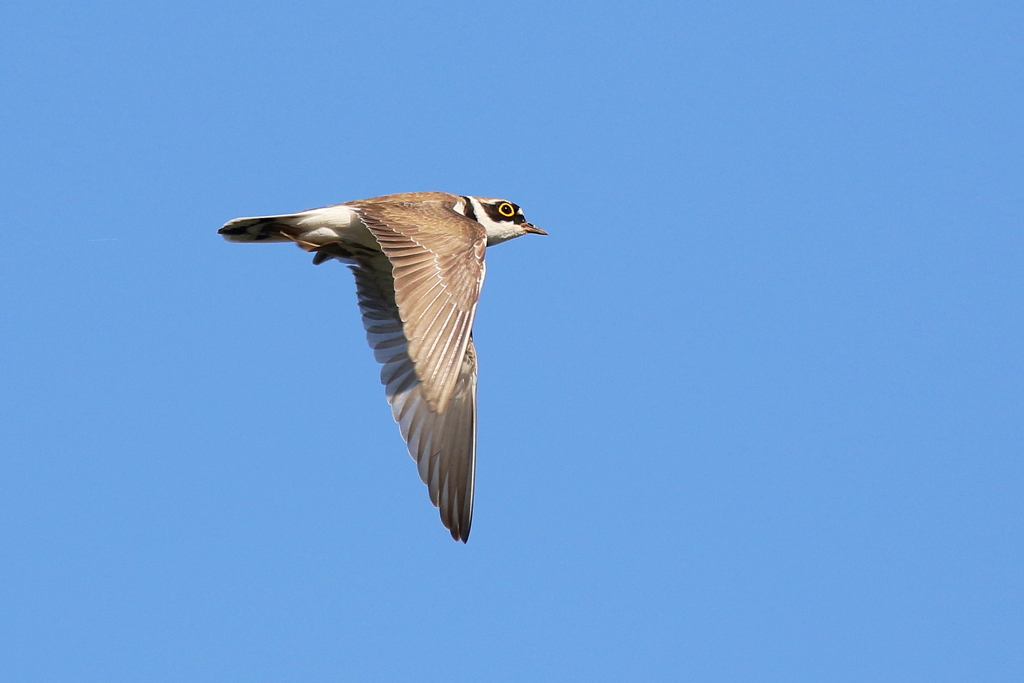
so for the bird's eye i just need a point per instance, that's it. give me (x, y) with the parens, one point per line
(506, 210)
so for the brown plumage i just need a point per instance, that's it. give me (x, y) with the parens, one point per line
(418, 261)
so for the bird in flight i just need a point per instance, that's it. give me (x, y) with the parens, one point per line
(418, 259)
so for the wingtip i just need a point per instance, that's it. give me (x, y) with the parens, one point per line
(458, 533)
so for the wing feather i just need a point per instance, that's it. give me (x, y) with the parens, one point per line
(437, 258)
(443, 443)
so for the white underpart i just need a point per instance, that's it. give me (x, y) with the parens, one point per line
(496, 232)
(332, 224)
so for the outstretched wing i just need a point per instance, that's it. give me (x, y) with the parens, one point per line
(443, 443)
(437, 257)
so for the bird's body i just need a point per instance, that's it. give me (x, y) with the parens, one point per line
(418, 259)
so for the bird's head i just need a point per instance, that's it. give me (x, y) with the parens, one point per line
(502, 219)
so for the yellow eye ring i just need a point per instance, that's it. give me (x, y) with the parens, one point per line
(506, 210)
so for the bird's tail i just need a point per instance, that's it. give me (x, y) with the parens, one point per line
(259, 229)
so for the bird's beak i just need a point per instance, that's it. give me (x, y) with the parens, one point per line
(530, 227)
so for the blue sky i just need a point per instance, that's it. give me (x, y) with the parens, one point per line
(751, 412)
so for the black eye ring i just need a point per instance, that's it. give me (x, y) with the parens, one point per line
(506, 210)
